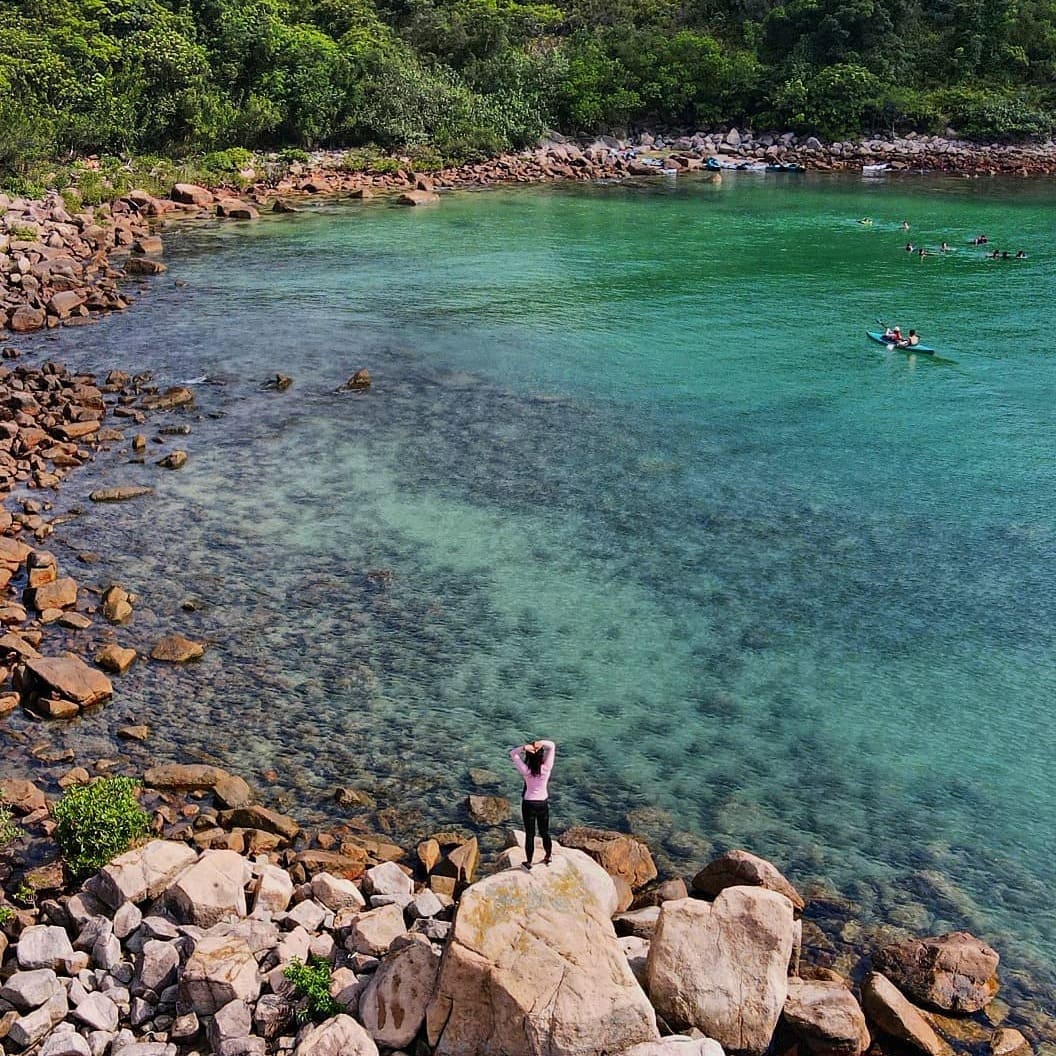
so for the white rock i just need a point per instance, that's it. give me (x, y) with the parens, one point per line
(307, 914)
(142, 873)
(99, 1041)
(387, 879)
(274, 890)
(106, 954)
(322, 947)
(127, 918)
(340, 1036)
(221, 969)
(34, 1025)
(533, 967)
(826, 1016)
(29, 990)
(425, 904)
(335, 893)
(211, 890)
(98, 1012)
(294, 946)
(393, 1005)
(676, 1045)
(156, 965)
(722, 967)
(44, 946)
(636, 950)
(67, 1043)
(234, 1020)
(373, 932)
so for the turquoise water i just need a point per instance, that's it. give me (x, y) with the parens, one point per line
(631, 476)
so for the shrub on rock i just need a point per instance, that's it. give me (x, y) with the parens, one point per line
(97, 822)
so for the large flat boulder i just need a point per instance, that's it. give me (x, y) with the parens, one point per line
(394, 1003)
(955, 972)
(617, 853)
(722, 967)
(142, 873)
(533, 967)
(744, 869)
(825, 1015)
(68, 677)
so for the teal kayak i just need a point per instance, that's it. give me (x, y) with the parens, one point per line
(879, 338)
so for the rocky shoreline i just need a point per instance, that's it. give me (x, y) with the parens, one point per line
(180, 946)
(184, 945)
(62, 268)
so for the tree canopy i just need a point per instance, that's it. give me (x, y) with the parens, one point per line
(476, 76)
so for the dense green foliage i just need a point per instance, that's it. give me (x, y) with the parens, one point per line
(10, 830)
(97, 822)
(473, 76)
(311, 983)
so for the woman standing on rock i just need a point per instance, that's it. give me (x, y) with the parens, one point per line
(534, 762)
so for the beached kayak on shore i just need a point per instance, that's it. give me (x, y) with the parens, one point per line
(878, 337)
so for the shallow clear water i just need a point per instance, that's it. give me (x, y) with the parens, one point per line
(630, 475)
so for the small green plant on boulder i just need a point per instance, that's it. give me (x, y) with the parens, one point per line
(311, 983)
(7, 914)
(97, 822)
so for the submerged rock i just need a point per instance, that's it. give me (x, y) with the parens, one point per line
(175, 649)
(122, 494)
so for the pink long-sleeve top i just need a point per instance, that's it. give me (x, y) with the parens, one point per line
(535, 784)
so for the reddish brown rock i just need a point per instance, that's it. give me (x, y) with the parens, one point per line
(119, 494)
(77, 430)
(236, 209)
(117, 604)
(144, 266)
(176, 396)
(175, 649)
(26, 318)
(418, 198)
(955, 972)
(115, 658)
(617, 853)
(191, 194)
(173, 460)
(66, 676)
(744, 869)
(61, 594)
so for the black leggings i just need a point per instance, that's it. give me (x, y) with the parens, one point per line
(536, 811)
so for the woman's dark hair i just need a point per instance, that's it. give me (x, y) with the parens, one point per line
(534, 760)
